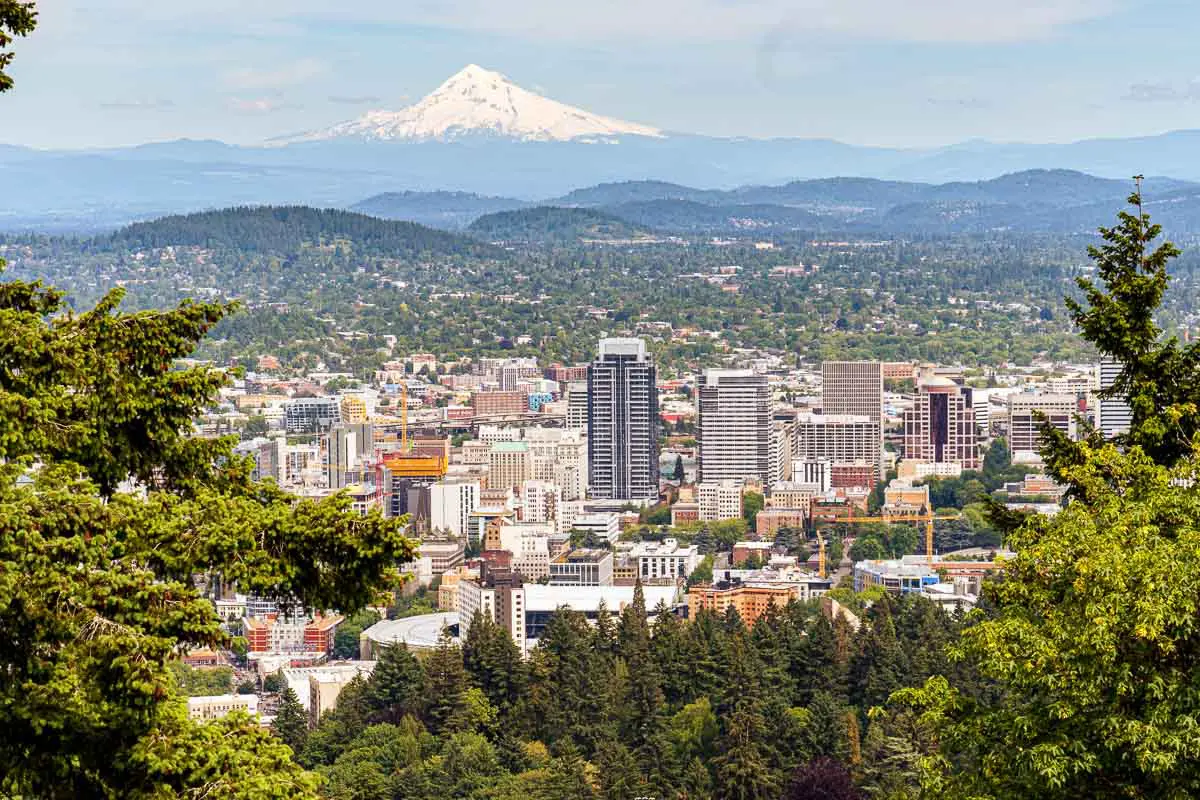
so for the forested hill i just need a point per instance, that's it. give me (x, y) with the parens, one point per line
(447, 210)
(288, 229)
(553, 224)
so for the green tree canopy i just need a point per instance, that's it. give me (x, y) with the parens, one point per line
(1092, 648)
(97, 589)
(16, 19)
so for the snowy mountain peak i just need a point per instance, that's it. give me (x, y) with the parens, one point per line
(479, 102)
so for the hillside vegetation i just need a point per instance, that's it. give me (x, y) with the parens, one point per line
(288, 229)
(549, 223)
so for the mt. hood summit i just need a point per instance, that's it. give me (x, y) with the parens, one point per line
(479, 102)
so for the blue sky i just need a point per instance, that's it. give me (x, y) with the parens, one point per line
(894, 72)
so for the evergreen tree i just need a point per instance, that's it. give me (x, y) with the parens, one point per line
(678, 474)
(1160, 379)
(644, 696)
(816, 663)
(878, 667)
(825, 731)
(291, 721)
(337, 729)
(997, 459)
(1092, 643)
(668, 648)
(742, 769)
(566, 681)
(397, 685)
(604, 634)
(706, 649)
(494, 664)
(108, 594)
(618, 772)
(446, 687)
(743, 766)
(568, 776)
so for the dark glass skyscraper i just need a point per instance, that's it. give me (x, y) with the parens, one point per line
(623, 423)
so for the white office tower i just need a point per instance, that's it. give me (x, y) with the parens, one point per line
(855, 388)
(559, 456)
(312, 414)
(1025, 412)
(852, 388)
(577, 406)
(981, 402)
(734, 426)
(451, 504)
(341, 456)
(1115, 416)
(719, 500)
(623, 423)
(841, 439)
(781, 453)
(540, 502)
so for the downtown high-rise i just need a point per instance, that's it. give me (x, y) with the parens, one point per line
(854, 389)
(735, 426)
(623, 423)
(940, 426)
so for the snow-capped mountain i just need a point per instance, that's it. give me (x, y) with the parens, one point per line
(479, 102)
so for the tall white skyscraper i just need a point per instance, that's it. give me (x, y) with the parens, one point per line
(451, 504)
(734, 426)
(577, 405)
(1025, 410)
(855, 389)
(623, 423)
(852, 387)
(1115, 415)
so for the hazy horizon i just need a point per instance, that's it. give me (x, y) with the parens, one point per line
(928, 73)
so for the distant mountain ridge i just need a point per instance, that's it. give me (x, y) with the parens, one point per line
(447, 210)
(1035, 200)
(284, 230)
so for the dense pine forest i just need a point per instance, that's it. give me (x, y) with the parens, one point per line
(701, 708)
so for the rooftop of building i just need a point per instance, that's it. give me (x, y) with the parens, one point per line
(588, 598)
(810, 418)
(421, 632)
(898, 567)
(667, 547)
(583, 555)
(510, 447)
(622, 347)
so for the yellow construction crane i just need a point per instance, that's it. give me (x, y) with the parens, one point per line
(891, 519)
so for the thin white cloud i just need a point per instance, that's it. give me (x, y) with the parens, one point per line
(354, 100)
(259, 105)
(1164, 92)
(902, 20)
(158, 104)
(292, 74)
(678, 20)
